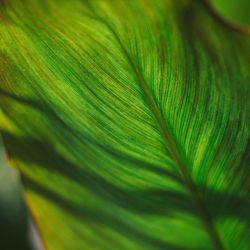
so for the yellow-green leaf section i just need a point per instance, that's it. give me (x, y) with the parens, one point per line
(129, 122)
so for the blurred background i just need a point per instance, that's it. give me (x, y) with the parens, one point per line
(234, 10)
(17, 231)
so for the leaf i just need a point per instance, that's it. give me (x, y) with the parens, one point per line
(129, 122)
(236, 11)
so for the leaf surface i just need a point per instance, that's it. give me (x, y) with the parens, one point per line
(236, 11)
(129, 122)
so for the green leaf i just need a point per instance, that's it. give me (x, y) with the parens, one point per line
(129, 122)
(234, 11)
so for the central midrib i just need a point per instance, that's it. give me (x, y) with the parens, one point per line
(171, 146)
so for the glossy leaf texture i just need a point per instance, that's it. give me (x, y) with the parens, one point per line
(129, 122)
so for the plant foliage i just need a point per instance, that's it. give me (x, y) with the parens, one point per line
(128, 121)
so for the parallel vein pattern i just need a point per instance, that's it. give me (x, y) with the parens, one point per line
(172, 147)
(129, 123)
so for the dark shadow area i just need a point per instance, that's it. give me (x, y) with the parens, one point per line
(83, 213)
(14, 218)
(153, 201)
(14, 234)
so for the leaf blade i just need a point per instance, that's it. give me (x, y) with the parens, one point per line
(92, 167)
